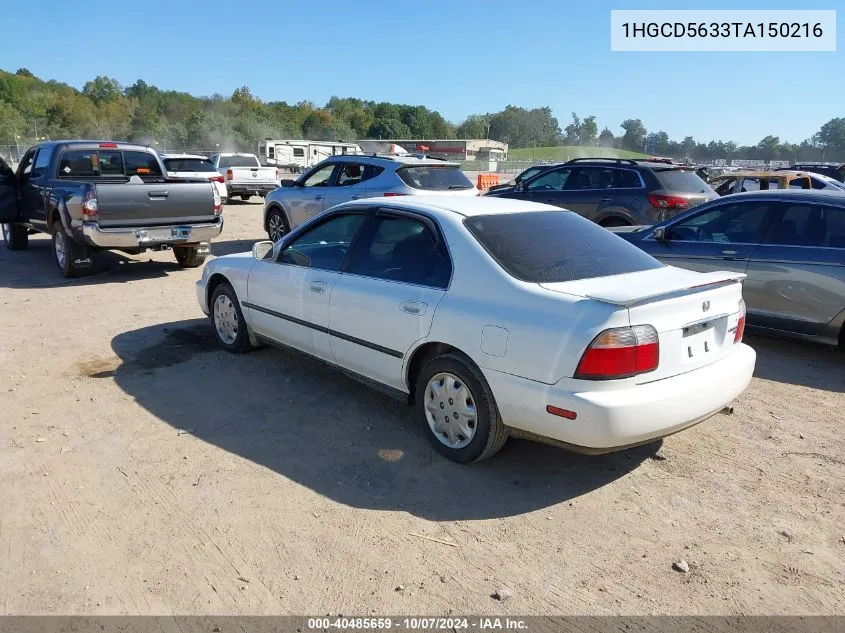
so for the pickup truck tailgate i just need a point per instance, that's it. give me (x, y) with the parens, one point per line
(252, 175)
(155, 203)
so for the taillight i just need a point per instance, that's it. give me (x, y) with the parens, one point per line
(217, 178)
(89, 204)
(668, 202)
(740, 324)
(620, 352)
(229, 174)
(218, 202)
(390, 194)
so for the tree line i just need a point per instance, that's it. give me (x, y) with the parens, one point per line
(31, 108)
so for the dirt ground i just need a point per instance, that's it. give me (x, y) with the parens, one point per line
(142, 471)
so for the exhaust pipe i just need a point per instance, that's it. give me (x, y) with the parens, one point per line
(728, 410)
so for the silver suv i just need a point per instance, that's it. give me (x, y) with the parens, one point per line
(352, 177)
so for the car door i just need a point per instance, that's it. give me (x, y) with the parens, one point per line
(796, 278)
(719, 237)
(348, 184)
(288, 295)
(36, 190)
(387, 295)
(8, 193)
(545, 187)
(588, 191)
(307, 198)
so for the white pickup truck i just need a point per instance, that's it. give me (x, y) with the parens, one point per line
(244, 175)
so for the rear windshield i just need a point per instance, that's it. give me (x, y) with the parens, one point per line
(553, 246)
(434, 177)
(682, 180)
(188, 164)
(92, 163)
(238, 161)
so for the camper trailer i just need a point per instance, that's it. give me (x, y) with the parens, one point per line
(298, 155)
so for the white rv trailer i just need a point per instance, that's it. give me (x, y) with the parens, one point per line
(297, 155)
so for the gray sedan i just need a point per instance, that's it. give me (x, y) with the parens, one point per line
(354, 177)
(790, 243)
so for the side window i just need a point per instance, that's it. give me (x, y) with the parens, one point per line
(553, 180)
(725, 186)
(810, 225)
(627, 179)
(800, 183)
(141, 164)
(299, 152)
(25, 167)
(78, 163)
(350, 174)
(835, 221)
(42, 161)
(741, 223)
(401, 249)
(321, 177)
(325, 245)
(371, 171)
(590, 178)
(271, 151)
(817, 183)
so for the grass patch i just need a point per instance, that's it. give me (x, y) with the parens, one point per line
(568, 152)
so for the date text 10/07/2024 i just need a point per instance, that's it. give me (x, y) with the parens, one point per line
(419, 624)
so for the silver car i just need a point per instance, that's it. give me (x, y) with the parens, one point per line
(352, 177)
(790, 243)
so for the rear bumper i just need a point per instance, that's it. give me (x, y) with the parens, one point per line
(255, 189)
(149, 237)
(612, 419)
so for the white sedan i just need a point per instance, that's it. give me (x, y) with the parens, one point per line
(493, 317)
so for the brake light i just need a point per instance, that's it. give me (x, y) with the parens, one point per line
(217, 178)
(89, 205)
(668, 202)
(390, 194)
(620, 352)
(740, 324)
(229, 174)
(108, 145)
(218, 202)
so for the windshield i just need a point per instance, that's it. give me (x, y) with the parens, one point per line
(189, 164)
(434, 177)
(682, 180)
(554, 246)
(244, 160)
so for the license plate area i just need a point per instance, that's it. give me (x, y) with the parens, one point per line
(169, 234)
(698, 341)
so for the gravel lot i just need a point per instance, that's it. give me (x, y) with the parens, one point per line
(142, 471)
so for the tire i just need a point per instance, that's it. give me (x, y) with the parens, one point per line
(229, 325)
(66, 251)
(16, 236)
(610, 222)
(189, 256)
(488, 433)
(245, 197)
(276, 224)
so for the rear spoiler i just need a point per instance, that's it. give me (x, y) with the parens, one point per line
(628, 297)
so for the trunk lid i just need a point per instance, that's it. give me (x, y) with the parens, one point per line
(169, 202)
(695, 314)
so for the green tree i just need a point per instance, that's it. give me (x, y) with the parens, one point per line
(634, 137)
(103, 89)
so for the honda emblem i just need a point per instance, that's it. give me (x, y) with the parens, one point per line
(705, 306)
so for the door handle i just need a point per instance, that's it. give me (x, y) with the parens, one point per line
(605, 199)
(157, 195)
(318, 197)
(413, 307)
(728, 254)
(318, 286)
(356, 197)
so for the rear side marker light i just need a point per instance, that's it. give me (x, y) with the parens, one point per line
(563, 413)
(620, 352)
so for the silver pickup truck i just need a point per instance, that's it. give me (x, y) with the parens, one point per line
(96, 195)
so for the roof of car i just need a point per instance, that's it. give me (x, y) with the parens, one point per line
(392, 158)
(807, 195)
(762, 173)
(185, 156)
(467, 206)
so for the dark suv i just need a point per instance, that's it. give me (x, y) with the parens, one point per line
(615, 191)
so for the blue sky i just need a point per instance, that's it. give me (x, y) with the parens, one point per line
(456, 56)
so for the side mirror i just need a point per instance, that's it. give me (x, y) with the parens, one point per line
(261, 249)
(660, 234)
(288, 182)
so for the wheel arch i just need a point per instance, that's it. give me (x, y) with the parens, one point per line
(615, 214)
(419, 357)
(215, 280)
(276, 206)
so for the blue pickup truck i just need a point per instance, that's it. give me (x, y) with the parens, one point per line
(102, 195)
